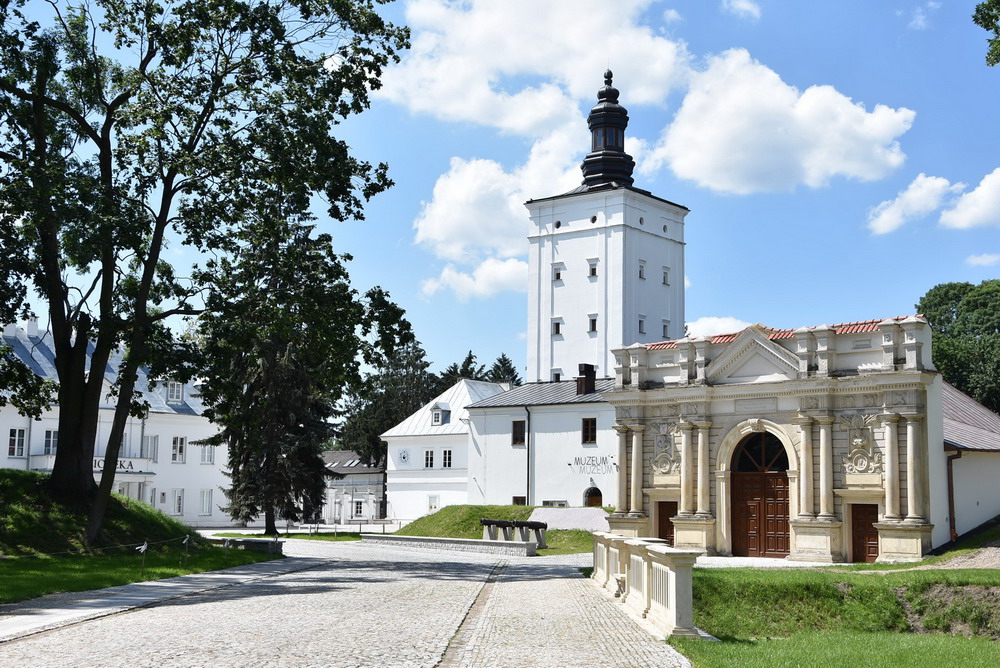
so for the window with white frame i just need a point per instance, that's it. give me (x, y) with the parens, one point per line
(51, 442)
(666, 275)
(359, 508)
(428, 459)
(150, 444)
(177, 502)
(15, 447)
(642, 269)
(207, 454)
(178, 451)
(557, 271)
(666, 329)
(175, 391)
(593, 268)
(593, 324)
(206, 502)
(446, 459)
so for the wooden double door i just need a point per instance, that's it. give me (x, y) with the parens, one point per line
(760, 514)
(864, 535)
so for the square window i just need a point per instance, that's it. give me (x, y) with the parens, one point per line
(15, 447)
(517, 432)
(177, 450)
(428, 459)
(588, 430)
(446, 459)
(556, 376)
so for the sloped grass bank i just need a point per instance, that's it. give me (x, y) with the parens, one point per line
(806, 617)
(42, 547)
(463, 522)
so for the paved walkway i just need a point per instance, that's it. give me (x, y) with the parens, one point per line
(342, 604)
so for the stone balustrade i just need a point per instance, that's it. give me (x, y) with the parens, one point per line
(653, 581)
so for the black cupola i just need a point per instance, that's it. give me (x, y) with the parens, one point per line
(607, 164)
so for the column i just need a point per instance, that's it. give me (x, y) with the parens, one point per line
(825, 467)
(891, 467)
(622, 506)
(806, 508)
(914, 471)
(687, 470)
(636, 506)
(703, 489)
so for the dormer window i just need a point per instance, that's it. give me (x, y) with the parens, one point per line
(440, 414)
(175, 392)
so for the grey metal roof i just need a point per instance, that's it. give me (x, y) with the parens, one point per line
(37, 352)
(348, 462)
(547, 394)
(454, 399)
(968, 425)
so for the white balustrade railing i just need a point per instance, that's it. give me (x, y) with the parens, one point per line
(656, 579)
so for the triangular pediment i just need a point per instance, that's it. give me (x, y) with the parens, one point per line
(752, 358)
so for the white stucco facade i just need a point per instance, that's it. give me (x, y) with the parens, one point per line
(606, 270)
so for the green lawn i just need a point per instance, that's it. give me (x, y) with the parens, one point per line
(42, 549)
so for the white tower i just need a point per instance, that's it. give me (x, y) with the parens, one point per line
(606, 260)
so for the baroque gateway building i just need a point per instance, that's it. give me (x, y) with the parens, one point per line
(829, 443)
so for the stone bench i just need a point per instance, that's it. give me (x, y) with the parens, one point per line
(266, 545)
(529, 532)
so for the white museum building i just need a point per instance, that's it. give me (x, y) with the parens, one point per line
(159, 461)
(357, 496)
(828, 443)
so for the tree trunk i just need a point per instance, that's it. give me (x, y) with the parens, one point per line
(270, 526)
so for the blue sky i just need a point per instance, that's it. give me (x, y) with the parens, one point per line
(839, 157)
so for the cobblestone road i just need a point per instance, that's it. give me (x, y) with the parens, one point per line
(362, 606)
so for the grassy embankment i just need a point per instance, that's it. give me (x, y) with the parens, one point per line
(845, 615)
(42, 550)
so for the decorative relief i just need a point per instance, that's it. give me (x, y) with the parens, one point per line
(899, 398)
(624, 413)
(809, 403)
(850, 401)
(689, 409)
(756, 425)
(871, 401)
(666, 459)
(863, 457)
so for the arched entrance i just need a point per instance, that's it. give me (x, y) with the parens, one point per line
(760, 497)
(592, 498)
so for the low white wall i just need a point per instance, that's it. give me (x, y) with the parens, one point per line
(976, 498)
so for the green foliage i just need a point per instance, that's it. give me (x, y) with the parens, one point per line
(567, 541)
(987, 17)
(398, 386)
(463, 521)
(504, 371)
(131, 124)
(965, 324)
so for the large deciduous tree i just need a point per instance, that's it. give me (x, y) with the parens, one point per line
(987, 17)
(965, 326)
(128, 125)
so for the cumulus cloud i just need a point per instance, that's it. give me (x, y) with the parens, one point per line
(923, 196)
(745, 9)
(489, 278)
(920, 19)
(741, 129)
(712, 325)
(978, 208)
(983, 260)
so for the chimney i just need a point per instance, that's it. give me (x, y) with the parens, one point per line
(586, 381)
(31, 327)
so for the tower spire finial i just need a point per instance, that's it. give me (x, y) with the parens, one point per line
(607, 164)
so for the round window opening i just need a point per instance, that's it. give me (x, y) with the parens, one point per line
(641, 221)
(593, 219)
(558, 224)
(664, 229)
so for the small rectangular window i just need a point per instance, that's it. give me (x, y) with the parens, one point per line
(177, 502)
(51, 442)
(642, 326)
(593, 269)
(433, 501)
(436, 418)
(207, 454)
(206, 502)
(175, 391)
(593, 324)
(588, 430)
(518, 501)
(642, 270)
(15, 447)
(359, 508)
(446, 459)
(666, 329)
(149, 446)
(517, 432)
(428, 459)
(556, 376)
(556, 327)
(666, 276)
(178, 450)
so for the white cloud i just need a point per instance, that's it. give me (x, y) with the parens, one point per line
(672, 16)
(745, 9)
(979, 208)
(489, 278)
(920, 19)
(712, 325)
(924, 195)
(984, 260)
(687, 282)
(741, 129)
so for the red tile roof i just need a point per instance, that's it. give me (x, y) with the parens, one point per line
(858, 327)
